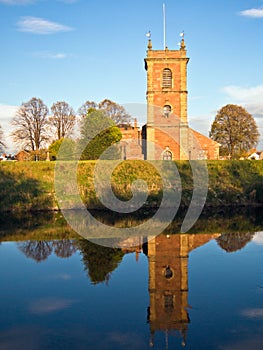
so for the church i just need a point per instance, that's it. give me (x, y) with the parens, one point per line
(167, 134)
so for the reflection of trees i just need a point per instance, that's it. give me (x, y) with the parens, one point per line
(228, 219)
(40, 250)
(231, 242)
(98, 260)
(64, 248)
(36, 250)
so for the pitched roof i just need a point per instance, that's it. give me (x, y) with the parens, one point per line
(204, 140)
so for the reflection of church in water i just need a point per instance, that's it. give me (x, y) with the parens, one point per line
(168, 282)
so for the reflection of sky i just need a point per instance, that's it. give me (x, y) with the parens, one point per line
(53, 302)
(253, 313)
(258, 238)
(48, 305)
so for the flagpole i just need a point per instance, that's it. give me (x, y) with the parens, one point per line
(164, 28)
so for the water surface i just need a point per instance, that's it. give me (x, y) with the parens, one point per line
(199, 290)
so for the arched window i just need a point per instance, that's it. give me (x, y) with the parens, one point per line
(168, 303)
(167, 78)
(167, 154)
(167, 110)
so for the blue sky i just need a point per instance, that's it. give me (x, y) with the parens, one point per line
(78, 50)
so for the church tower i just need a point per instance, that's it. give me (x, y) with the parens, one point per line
(167, 125)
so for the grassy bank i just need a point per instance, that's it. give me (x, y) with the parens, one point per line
(29, 186)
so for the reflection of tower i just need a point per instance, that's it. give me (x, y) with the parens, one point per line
(168, 282)
(167, 124)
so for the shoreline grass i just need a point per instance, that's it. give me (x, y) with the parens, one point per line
(29, 186)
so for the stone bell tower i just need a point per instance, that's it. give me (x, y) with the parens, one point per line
(167, 125)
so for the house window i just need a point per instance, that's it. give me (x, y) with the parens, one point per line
(167, 78)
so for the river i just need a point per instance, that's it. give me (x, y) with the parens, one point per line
(197, 290)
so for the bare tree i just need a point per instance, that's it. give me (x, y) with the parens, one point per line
(2, 144)
(63, 119)
(85, 108)
(31, 124)
(64, 248)
(115, 111)
(36, 250)
(109, 108)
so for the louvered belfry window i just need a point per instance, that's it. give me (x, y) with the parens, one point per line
(167, 78)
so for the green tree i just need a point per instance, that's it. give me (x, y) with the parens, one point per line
(99, 134)
(235, 129)
(63, 119)
(31, 125)
(98, 260)
(68, 150)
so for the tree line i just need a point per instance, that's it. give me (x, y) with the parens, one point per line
(233, 127)
(34, 128)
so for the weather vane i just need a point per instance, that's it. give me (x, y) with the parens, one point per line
(182, 44)
(149, 35)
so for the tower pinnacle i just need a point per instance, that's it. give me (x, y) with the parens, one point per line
(183, 46)
(149, 40)
(149, 44)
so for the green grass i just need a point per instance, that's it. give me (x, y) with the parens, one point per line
(29, 186)
(26, 186)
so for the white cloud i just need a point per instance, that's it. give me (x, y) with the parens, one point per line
(38, 25)
(68, 1)
(253, 313)
(16, 2)
(25, 2)
(258, 238)
(250, 97)
(253, 342)
(49, 305)
(50, 55)
(254, 13)
(7, 112)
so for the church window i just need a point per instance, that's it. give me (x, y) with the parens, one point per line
(167, 78)
(168, 273)
(167, 154)
(168, 303)
(167, 110)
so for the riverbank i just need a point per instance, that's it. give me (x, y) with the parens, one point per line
(29, 186)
